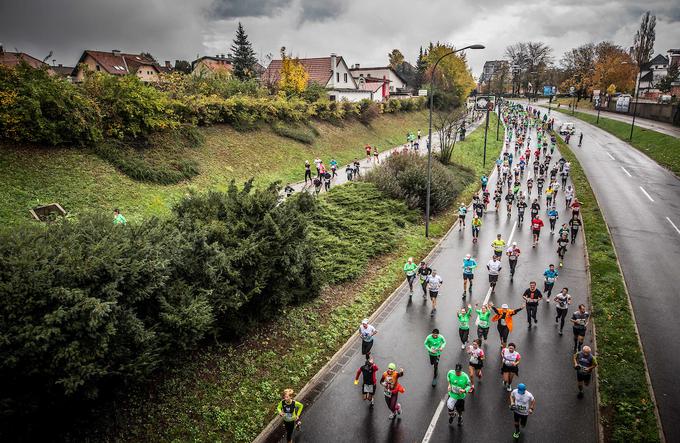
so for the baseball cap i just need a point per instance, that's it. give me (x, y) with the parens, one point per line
(459, 367)
(514, 243)
(521, 388)
(505, 306)
(392, 366)
(364, 321)
(468, 256)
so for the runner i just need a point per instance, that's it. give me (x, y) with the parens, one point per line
(410, 269)
(317, 162)
(476, 362)
(459, 386)
(485, 182)
(532, 296)
(509, 199)
(376, 158)
(476, 225)
(462, 212)
(434, 282)
(497, 197)
(483, 322)
(366, 332)
(562, 302)
(510, 365)
(390, 382)
(317, 185)
(334, 167)
(498, 246)
(368, 152)
(535, 208)
(575, 208)
(562, 243)
(369, 381)
(424, 272)
(574, 224)
(568, 195)
(464, 325)
(536, 225)
(530, 185)
(349, 172)
(584, 363)
(549, 196)
(513, 254)
(551, 276)
(290, 410)
(522, 404)
(434, 344)
(580, 320)
(494, 267)
(553, 215)
(504, 318)
(539, 183)
(469, 265)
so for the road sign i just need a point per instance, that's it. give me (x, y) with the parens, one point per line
(549, 90)
(422, 92)
(572, 90)
(484, 102)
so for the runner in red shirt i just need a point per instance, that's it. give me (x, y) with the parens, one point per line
(536, 225)
(368, 151)
(575, 208)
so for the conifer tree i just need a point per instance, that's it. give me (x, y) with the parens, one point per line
(243, 56)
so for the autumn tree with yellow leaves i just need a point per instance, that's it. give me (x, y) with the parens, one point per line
(293, 77)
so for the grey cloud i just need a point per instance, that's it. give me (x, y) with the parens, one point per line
(321, 10)
(229, 9)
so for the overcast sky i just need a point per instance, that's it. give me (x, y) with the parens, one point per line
(363, 31)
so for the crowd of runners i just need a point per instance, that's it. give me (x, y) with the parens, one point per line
(522, 157)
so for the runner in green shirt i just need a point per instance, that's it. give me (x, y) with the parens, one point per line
(459, 386)
(464, 325)
(483, 321)
(434, 343)
(410, 269)
(118, 218)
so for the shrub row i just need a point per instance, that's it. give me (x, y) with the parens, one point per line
(36, 107)
(404, 176)
(88, 304)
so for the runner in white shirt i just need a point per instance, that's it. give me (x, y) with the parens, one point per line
(513, 254)
(434, 282)
(366, 332)
(522, 404)
(494, 267)
(476, 362)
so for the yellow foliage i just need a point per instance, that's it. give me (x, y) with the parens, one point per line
(294, 77)
(452, 72)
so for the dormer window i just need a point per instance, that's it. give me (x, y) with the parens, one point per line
(345, 77)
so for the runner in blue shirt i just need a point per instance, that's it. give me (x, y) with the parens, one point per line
(550, 275)
(469, 265)
(485, 181)
(553, 215)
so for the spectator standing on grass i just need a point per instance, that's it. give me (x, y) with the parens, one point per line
(308, 172)
(118, 218)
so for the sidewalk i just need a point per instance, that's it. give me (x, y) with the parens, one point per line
(662, 127)
(367, 165)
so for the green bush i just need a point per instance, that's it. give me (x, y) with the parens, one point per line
(89, 305)
(404, 176)
(129, 107)
(36, 107)
(297, 133)
(368, 111)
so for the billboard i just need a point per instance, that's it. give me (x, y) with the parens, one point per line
(484, 102)
(549, 90)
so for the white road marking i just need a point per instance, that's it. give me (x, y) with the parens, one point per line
(611, 156)
(645, 192)
(673, 224)
(433, 423)
(512, 234)
(624, 170)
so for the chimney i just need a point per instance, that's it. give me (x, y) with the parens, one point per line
(116, 52)
(334, 69)
(356, 66)
(167, 64)
(60, 65)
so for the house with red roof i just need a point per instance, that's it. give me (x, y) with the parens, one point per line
(390, 81)
(117, 63)
(330, 72)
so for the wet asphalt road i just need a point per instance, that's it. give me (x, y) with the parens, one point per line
(641, 203)
(340, 415)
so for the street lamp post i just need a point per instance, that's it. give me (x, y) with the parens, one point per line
(429, 137)
(637, 96)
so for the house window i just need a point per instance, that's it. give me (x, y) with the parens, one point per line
(337, 77)
(332, 97)
(345, 75)
(98, 68)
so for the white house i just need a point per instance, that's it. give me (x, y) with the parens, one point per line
(330, 72)
(395, 83)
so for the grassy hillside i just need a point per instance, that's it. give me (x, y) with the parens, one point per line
(80, 180)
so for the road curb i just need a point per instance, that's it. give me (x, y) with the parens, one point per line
(322, 378)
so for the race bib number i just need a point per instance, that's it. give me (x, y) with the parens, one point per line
(483, 324)
(288, 416)
(474, 360)
(468, 270)
(551, 279)
(388, 394)
(368, 389)
(521, 408)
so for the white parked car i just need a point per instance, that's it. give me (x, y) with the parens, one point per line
(567, 128)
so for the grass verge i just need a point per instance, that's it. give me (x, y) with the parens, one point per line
(663, 149)
(626, 408)
(81, 181)
(227, 392)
